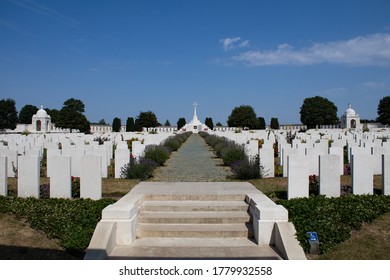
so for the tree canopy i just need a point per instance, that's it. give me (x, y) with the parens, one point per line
(274, 123)
(243, 116)
(262, 124)
(116, 125)
(318, 111)
(71, 116)
(384, 110)
(74, 105)
(181, 122)
(26, 113)
(8, 114)
(130, 125)
(209, 122)
(146, 119)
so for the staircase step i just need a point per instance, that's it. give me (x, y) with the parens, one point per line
(194, 230)
(195, 197)
(194, 217)
(194, 242)
(177, 205)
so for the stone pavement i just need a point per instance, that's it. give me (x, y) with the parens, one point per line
(193, 162)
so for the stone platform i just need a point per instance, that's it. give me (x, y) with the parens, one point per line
(193, 220)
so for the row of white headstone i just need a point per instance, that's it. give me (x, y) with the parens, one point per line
(87, 162)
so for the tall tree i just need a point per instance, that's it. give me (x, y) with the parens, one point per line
(146, 119)
(218, 124)
(116, 125)
(318, 111)
(209, 123)
(8, 114)
(384, 110)
(262, 124)
(54, 115)
(130, 125)
(167, 123)
(181, 122)
(274, 123)
(243, 116)
(102, 122)
(71, 116)
(26, 113)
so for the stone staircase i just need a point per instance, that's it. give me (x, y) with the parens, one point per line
(194, 227)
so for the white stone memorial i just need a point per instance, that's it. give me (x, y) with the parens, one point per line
(3, 176)
(91, 177)
(362, 174)
(28, 176)
(122, 157)
(297, 176)
(60, 180)
(386, 174)
(267, 161)
(329, 175)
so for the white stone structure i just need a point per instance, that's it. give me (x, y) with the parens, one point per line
(195, 125)
(3, 176)
(350, 119)
(41, 121)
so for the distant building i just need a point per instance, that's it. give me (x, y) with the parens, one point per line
(350, 119)
(195, 125)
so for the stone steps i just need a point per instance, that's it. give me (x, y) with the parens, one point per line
(198, 217)
(185, 205)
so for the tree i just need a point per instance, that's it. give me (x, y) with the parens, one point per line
(71, 116)
(209, 123)
(54, 115)
(243, 116)
(146, 119)
(180, 123)
(262, 123)
(130, 125)
(384, 110)
(8, 114)
(274, 123)
(318, 111)
(167, 123)
(102, 122)
(75, 105)
(218, 124)
(26, 113)
(116, 125)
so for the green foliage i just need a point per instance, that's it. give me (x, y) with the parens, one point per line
(157, 153)
(209, 123)
(247, 169)
(141, 168)
(74, 105)
(130, 125)
(54, 115)
(243, 116)
(71, 116)
(274, 123)
(146, 119)
(333, 218)
(167, 123)
(26, 113)
(218, 124)
(384, 110)
(262, 124)
(318, 111)
(71, 221)
(180, 123)
(116, 125)
(8, 114)
(172, 144)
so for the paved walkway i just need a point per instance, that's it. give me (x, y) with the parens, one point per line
(193, 162)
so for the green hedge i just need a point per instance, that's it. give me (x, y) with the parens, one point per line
(333, 218)
(71, 221)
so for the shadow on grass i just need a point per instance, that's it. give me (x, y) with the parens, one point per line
(29, 253)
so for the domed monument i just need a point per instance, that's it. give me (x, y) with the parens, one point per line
(195, 125)
(41, 121)
(350, 119)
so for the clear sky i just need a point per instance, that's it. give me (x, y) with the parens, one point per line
(121, 57)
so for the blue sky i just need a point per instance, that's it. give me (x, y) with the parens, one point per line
(121, 57)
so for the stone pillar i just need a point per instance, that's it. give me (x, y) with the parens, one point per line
(386, 174)
(60, 180)
(298, 176)
(91, 177)
(330, 175)
(28, 176)
(122, 157)
(3, 176)
(362, 174)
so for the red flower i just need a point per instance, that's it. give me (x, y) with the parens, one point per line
(72, 178)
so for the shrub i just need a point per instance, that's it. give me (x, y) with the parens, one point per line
(246, 169)
(172, 144)
(232, 153)
(138, 169)
(157, 153)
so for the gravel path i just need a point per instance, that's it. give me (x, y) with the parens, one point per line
(193, 162)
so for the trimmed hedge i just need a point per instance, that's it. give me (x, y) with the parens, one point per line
(71, 221)
(333, 218)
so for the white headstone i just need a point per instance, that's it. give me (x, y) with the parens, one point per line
(103, 154)
(298, 176)
(386, 174)
(339, 151)
(137, 149)
(267, 161)
(3, 176)
(330, 175)
(122, 157)
(50, 154)
(76, 156)
(362, 174)
(12, 161)
(60, 180)
(91, 177)
(28, 176)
